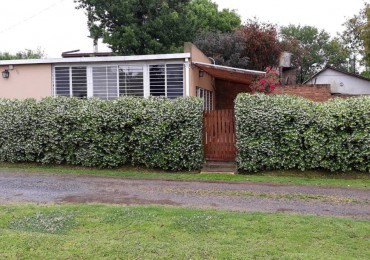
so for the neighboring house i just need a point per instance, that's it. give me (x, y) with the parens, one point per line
(170, 75)
(342, 82)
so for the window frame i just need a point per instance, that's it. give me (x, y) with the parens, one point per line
(146, 74)
(184, 79)
(70, 76)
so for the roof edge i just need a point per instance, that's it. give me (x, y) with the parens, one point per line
(338, 70)
(232, 69)
(97, 59)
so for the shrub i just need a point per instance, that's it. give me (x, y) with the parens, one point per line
(155, 132)
(338, 139)
(285, 132)
(268, 83)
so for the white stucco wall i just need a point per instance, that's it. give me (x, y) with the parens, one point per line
(342, 83)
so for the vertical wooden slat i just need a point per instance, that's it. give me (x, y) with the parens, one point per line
(219, 135)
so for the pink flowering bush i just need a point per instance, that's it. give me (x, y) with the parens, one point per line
(268, 83)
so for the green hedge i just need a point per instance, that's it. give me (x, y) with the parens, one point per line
(285, 132)
(154, 132)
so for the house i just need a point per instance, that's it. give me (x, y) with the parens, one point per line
(342, 82)
(107, 77)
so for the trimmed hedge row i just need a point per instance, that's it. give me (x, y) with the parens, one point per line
(154, 132)
(285, 132)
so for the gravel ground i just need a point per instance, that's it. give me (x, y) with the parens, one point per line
(21, 187)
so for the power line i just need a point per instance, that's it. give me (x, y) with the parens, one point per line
(31, 17)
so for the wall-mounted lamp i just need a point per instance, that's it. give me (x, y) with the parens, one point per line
(201, 73)
(5, 74)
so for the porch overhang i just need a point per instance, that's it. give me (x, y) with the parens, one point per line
(229, 73)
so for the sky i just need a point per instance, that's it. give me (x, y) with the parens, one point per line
(55, 26)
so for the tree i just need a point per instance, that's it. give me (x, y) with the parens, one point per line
(253, 46)
(262, 46)
(336, 54)
(299, 53)
(133, 27)
(204, 14)
(226, 49)
(312, 49)
(21, 55)
(352, 38)
(366, 37)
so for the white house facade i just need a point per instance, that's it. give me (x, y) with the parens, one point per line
(107, 77)
(341, 82)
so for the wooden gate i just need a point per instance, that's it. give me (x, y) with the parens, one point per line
(219, 135)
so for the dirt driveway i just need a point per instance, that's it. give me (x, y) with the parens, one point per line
(21, 187)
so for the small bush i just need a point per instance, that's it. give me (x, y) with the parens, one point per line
(155, 132)
(285, 132)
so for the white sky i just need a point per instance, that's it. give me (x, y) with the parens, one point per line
(56, 26)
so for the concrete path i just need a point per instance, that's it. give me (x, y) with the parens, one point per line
(21, 187)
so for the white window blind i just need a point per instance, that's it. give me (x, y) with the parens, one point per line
(111, 81)
(157, 80)
(131, 81)
(71, 81)
(175, 80)
(167, 80)
(79, 82)
(62, 81)
(105, 82)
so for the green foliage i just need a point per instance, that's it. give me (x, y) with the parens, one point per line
(133, 27)
(366, 74)
(227, 49)
(366, 37)
(286, 132)
(353, 37)
(21, 55)
(336, 54)
(157, 133)
(312, 49)
(269, 130)
(204, 15)
(339, 137)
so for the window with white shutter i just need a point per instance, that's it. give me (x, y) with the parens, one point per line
(70, 81)
(79, 82)
(157, 74)
(62, 81)
(131, 80)
(175, 80)
(167, 80)
(108, 82)
(105, 82)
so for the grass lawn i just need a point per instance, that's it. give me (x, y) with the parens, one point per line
(151, 232)
(320, 178)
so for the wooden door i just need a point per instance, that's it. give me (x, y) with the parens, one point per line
(219, 135)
